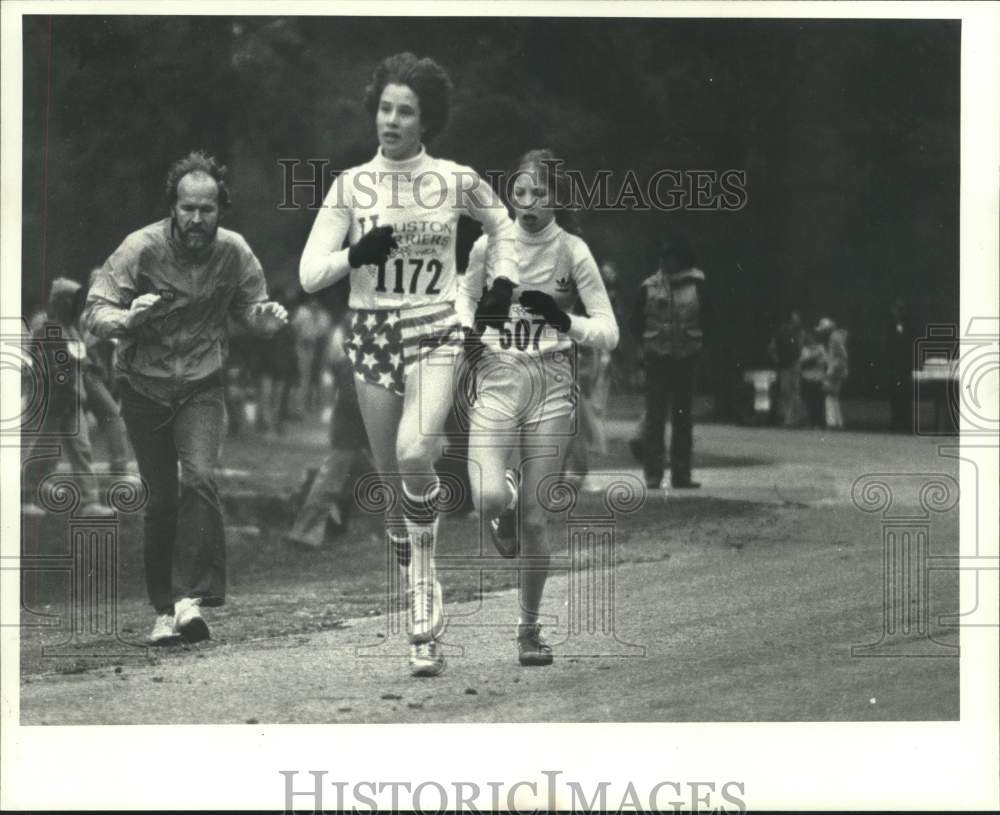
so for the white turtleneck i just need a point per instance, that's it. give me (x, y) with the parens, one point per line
(557, 263)
(421, 198)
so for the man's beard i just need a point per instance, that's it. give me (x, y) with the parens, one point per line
(206, 236)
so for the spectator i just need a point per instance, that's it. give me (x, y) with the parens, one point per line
(276, 365)
(330, 489)
(614, 377)
(785, 350)
(670, 323)
(101, 389)
(62, 362)
(239, 363)
(836, 370)
(311, 325)
(813, 366)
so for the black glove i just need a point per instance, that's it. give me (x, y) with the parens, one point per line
(374, 247)
(542, 305)
(494, 308)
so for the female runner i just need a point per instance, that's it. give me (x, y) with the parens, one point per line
(398, 214)
(525, 385)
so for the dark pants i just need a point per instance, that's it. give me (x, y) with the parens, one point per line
(105, 409)
(815, 402)
(670, 382)
(183, 521)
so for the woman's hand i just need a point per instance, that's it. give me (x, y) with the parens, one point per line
(543, 305)
(373, 248)
(494, 308)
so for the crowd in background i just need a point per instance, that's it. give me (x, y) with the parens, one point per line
(294, 376)
(812, 366)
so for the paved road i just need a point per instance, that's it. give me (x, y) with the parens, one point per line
(750, 614)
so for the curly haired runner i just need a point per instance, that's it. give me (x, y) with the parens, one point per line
(398, 214)
(525, 380)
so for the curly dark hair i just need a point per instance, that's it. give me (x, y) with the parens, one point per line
(550, 172)
(197, 161)
(426, 78)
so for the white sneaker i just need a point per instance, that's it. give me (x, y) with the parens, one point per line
(426, 658)
(426, 611)
(164, 632)
(188, 620)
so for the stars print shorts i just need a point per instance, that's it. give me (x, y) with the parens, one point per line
(384, 343)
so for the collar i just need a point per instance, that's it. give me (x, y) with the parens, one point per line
(383, 162)
(550, 233)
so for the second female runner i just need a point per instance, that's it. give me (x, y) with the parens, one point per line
(525, 379)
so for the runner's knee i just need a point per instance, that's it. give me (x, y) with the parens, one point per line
(416, 453)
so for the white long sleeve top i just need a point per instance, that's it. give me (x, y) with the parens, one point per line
(422, 198)
(557, 263)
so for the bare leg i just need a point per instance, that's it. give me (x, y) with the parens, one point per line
(428, 399)
(489, 452)
(552, 436)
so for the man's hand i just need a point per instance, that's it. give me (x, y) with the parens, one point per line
(141, 310)
(543, 305)
(271, 317)
(494, 308)
(373, 248)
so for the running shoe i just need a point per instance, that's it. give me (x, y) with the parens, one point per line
(164, 632)
(188, 620)
(531, 648)
(426, 658)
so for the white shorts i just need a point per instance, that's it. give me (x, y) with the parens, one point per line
(514, 391)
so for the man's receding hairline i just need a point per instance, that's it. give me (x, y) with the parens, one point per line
(197, 175)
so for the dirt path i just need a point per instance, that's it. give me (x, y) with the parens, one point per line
(742, 602)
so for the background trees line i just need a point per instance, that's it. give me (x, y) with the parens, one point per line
(847, 132)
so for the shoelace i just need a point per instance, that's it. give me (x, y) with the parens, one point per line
(423, 609)
(425, 650)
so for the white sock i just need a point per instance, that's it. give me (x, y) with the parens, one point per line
(421, 524)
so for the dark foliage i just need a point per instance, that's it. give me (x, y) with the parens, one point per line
(847, 131)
